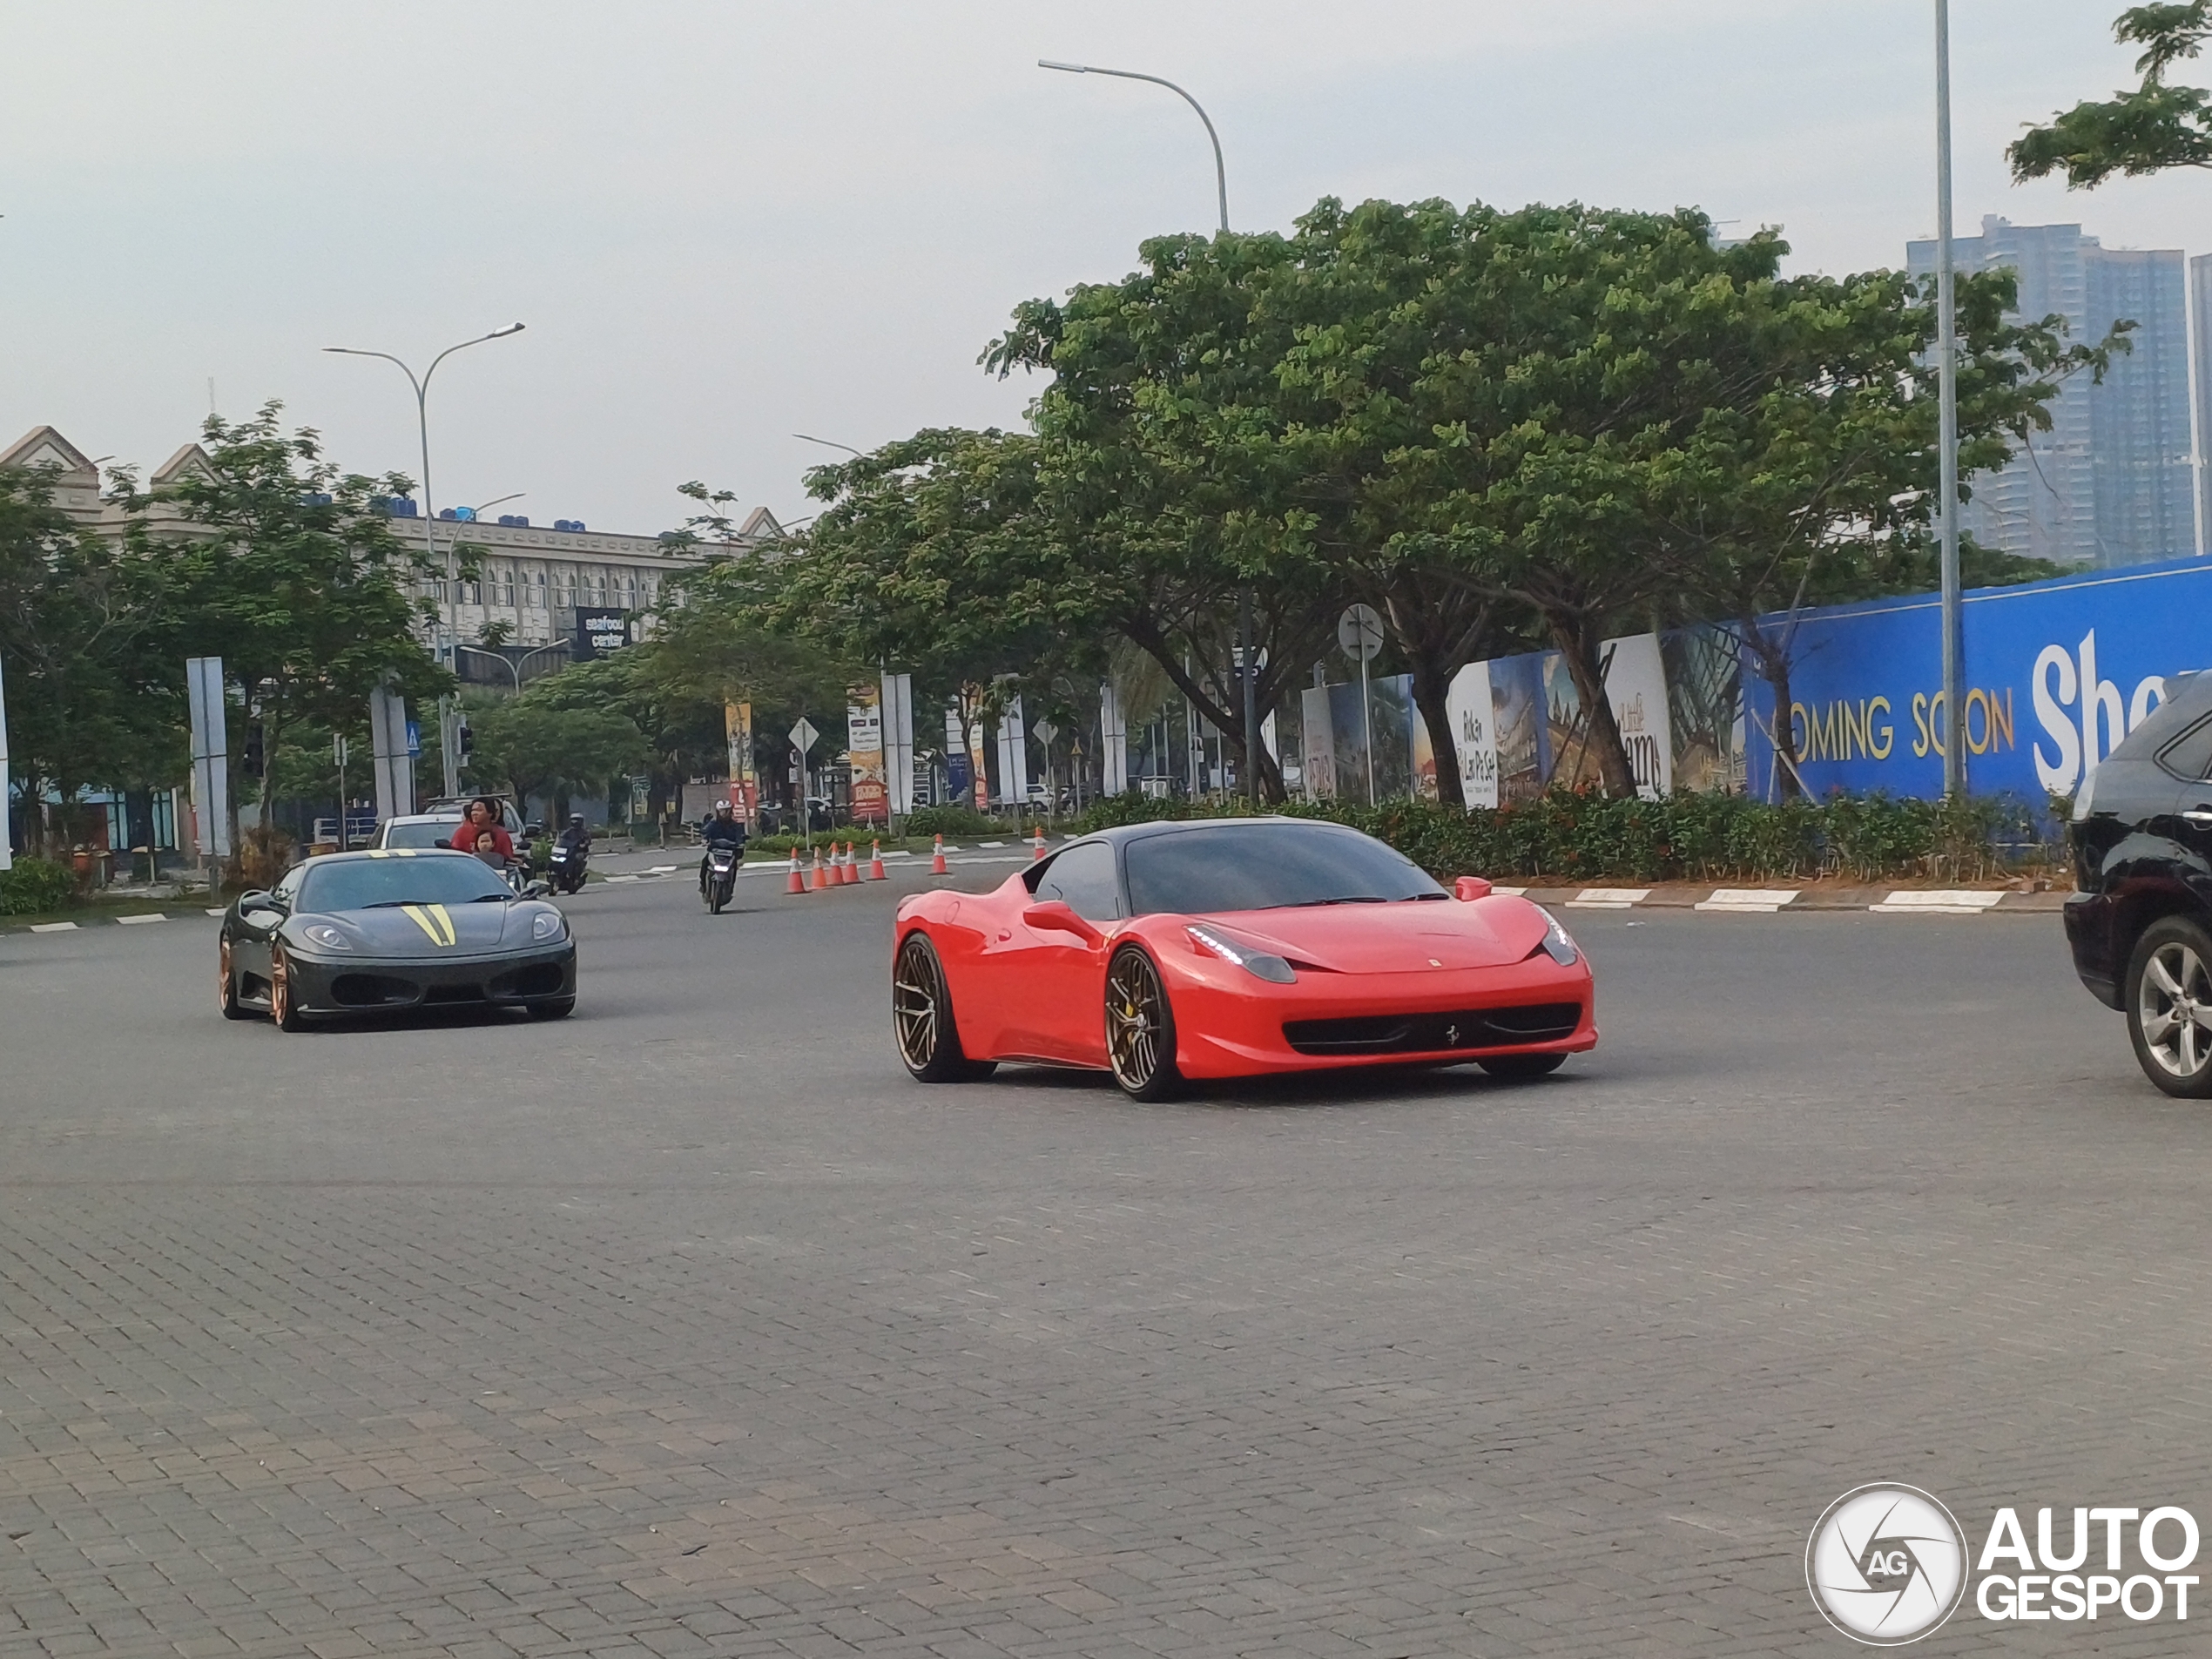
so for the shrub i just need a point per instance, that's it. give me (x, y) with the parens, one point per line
(1571, 835)
(35, 885)
(950, 820)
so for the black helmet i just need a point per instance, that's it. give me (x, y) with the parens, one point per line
(577, 819)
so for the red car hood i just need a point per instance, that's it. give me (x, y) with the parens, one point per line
(1411, 936)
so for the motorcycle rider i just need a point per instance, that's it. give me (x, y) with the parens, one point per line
(576, 840)
(723, 827)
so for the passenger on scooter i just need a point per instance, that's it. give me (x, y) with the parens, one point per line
(721, 828)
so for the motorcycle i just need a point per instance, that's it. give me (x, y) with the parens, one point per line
(565, 867)
(721, 876)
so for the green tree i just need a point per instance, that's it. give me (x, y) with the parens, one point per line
(932, 558)
(1812, 477)
(532, 748)
(2149, 129)
(90, 700)
(285, 569)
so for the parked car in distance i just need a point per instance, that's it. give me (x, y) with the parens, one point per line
(2140, 926)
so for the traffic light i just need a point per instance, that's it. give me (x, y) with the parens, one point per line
(467, 740)
(252, 760)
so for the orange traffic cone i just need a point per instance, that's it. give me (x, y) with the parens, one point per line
(937, 859)
(846, 874)
(1036, 849)
(875, 862)
(795, 883)
(818, 883)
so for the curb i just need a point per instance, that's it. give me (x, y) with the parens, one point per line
(1768, 901)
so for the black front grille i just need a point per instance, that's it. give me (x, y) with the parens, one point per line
(370, 991)
(539, 979)
(1435, 1033)
(453, 993)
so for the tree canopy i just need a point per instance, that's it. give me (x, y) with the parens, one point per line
(2149, 129)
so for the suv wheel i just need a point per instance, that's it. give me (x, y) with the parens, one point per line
(2169, 1007)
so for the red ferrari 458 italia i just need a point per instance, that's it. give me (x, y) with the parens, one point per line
(1232, 948)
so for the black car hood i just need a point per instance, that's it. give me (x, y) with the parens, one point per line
(434, 931)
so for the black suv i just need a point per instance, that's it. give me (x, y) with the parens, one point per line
(2141, 925)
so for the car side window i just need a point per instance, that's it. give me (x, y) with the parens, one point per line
(1083, 879)
(287, 890)
(2189, 756)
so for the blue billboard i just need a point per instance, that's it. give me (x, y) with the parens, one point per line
(2056, 673)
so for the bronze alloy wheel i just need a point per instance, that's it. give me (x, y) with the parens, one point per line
(226, 997)
(1140, 1028)
(280, 1004)
(921, 1017)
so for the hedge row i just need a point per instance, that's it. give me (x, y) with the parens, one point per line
(1572, 835)
(35, 885)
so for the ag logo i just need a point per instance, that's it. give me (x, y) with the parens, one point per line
(1886, 1564)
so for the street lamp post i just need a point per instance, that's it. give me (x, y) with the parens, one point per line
(1954, 714)
(1249, 667)
(422, 385)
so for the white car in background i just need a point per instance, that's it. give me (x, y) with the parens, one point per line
(414, 830)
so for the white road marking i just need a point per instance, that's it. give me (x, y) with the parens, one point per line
(134, 922)
(53, 927)
(1510, 893)
(218, 913)
(1940, 902)
(990, 843)
(1608, 898)
(1755, 901)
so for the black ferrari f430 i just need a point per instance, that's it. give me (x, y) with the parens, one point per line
(385, 931)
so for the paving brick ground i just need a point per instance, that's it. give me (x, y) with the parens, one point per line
(690, 1327)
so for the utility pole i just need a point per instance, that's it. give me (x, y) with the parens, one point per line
(1954, 711)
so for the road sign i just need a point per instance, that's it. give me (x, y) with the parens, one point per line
(413, 741)
(803, 735)
(1360, 632)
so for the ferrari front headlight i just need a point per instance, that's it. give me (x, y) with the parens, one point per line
(1261, 964)
(1559, 944)
(548, 924)
(321, 932)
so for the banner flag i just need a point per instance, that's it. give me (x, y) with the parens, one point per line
(745, 779)
(211, 759)
(1317, 760)
(864, 753)
(978, 772)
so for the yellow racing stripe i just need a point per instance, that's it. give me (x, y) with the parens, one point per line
(434, 920)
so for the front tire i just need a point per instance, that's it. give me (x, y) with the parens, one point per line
(921, 1018)
(284, 1001)
(2169, 1007)
(1140, 1028)
(1519, 1068)
(227, 997)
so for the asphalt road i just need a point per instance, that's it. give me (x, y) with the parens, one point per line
(690, 1325)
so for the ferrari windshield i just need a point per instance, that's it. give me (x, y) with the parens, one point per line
(1265, 866)
(362, 884)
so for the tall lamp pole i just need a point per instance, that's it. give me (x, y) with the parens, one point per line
(446, 649)
(1249, 667)
(1954, 714)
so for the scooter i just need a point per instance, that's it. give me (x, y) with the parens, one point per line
(565, 867)
(721, 876)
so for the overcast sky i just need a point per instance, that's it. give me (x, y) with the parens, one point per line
(726, 222)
